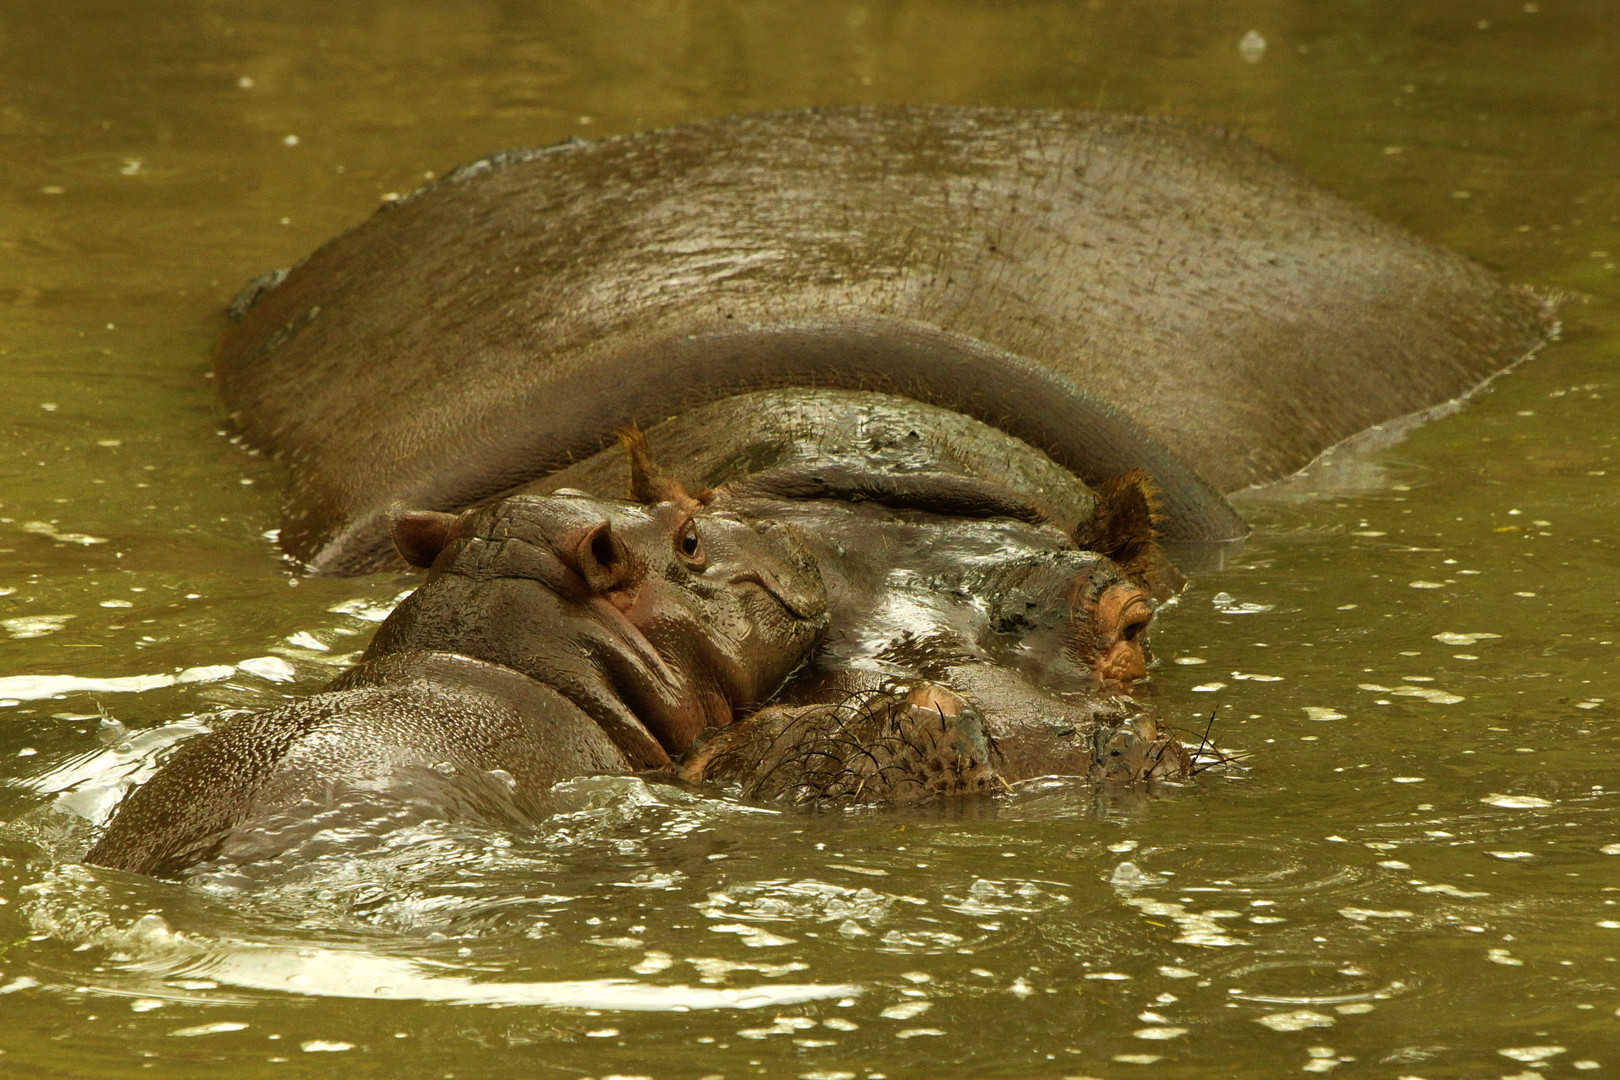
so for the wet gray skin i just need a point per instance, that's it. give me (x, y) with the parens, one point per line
(1120, 292)
(690, 615)
(998, 637)
(554, 637)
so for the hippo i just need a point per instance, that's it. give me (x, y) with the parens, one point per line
(554, 637)
(564, 634)
(998, 368)
(1118, 292)
(1016, 599)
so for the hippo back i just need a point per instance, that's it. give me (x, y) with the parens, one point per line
(1120, 292)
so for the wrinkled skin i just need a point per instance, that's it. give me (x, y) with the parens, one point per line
(665, 618)
(904, 745)
(1122, 293)
(940, 579)
(554, 637)
(896, 747)
(1040, 638)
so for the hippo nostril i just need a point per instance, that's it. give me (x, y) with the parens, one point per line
(602, 548)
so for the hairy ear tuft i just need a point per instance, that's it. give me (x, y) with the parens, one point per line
(1125, 527)
(649, 483)
(1124, 522)
(420, 535)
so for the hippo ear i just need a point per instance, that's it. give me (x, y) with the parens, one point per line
(649, 483)
(1125, 527)
(604, 561)
(420, 535)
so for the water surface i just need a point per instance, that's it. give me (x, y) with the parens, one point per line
(1414, 872)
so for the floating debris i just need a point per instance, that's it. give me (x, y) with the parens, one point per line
(1227, 604)
(1127, 875)
(209, 1029)
(32, 626)
(1452, 890)
(206, 673)
(1450, 638)
(1427, 693)
(1364, 914)
(752, 936)
(46, 529)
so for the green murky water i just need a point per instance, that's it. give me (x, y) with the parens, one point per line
(1409, 876)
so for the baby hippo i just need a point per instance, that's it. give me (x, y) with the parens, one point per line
(555, 636)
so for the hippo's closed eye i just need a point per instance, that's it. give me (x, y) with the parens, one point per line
(1109, 631)
(1134, 618)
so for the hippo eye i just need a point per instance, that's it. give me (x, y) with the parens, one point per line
(691, 545)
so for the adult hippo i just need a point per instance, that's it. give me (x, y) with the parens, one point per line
(1121, 293)
(554, 637)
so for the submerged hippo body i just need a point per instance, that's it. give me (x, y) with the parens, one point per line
(555, 637)
(1121, 293)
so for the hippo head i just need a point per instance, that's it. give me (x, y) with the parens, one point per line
(1042, 638)
(658, 618)
(1045, 645)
